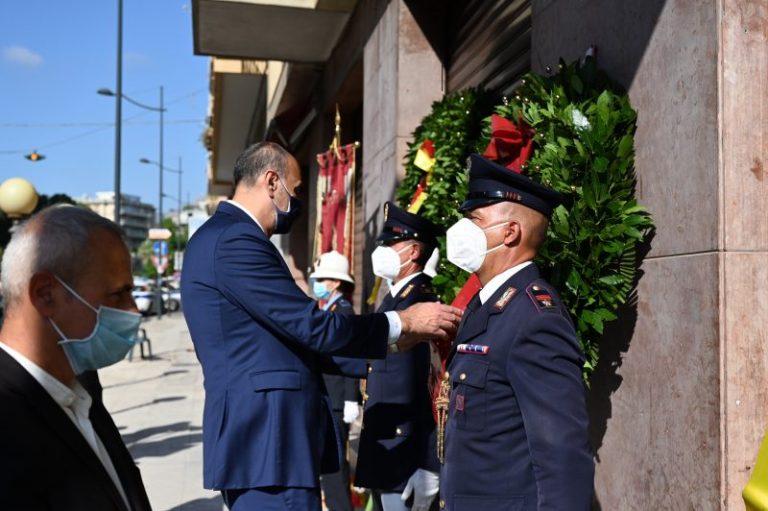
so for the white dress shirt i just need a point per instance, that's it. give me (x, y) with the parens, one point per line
(395, 288)
(76, 403)
(395, 325)
(495, 283)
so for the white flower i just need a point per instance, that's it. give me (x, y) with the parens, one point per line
(579, 120)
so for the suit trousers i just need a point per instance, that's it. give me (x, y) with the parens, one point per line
(336, 485)
(273, 498)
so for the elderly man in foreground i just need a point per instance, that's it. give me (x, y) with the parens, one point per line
(67, 283)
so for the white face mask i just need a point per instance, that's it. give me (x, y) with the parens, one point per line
(467, 245)
(386, 262)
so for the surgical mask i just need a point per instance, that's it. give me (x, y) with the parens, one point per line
(286, 218)
(321, 290)
(113, 336)
(386, 262)
(467, 245)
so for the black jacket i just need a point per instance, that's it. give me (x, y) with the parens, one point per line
(345, 386)
(46, 464)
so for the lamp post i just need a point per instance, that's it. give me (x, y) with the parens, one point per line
(179, 172)
(161, 110)
(18, 198)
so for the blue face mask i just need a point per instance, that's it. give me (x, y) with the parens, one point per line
(112, 338)
(286, 218)
(321, 290)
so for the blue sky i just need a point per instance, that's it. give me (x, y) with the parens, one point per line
(55, 55)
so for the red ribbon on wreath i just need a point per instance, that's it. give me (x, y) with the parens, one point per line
(511, 143)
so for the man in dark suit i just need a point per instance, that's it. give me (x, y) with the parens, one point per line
(516, 433)
(397, 442)
(332, 283)
(267, 427)
(66, 275)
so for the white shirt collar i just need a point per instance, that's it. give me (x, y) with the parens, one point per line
(495, 283)
(65, 396)
(333, 300)
(395, 289)
(238, 205)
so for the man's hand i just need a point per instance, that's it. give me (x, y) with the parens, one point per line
(424, 485)
(426, 321)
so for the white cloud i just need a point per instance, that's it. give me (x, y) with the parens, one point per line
(22, 55)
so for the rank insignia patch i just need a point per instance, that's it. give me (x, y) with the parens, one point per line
(505, 298)
(541, 297)
(475, 349)
(406, 291)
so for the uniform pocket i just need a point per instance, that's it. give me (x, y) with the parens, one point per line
(468, 397)
(487, 503)
(275, 380)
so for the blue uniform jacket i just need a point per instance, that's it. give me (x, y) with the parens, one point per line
(342, 378)
(516, 436)
(267, 419)
(398, 433)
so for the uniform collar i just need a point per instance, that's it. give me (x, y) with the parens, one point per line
(396, 288)
(495, 283)
(242, 208)
(333, 300)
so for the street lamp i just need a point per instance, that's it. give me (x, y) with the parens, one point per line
(161, 109)
(179, 172)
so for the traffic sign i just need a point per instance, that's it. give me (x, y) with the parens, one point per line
(159, 234)
(160, 248)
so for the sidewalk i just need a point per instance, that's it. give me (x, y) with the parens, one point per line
(158, 406)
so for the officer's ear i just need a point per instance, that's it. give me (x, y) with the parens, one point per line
(513, 233)
(415, 254)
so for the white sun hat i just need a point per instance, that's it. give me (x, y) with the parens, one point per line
(332, 265)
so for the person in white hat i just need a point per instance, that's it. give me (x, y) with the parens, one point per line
(333, 285)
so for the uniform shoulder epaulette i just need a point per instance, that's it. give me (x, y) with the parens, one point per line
(541, 297)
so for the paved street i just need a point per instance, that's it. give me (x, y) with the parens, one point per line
(158, 406)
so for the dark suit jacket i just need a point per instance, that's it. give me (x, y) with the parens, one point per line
(267, 418)
(516, 436)
(398, 433)
(46, 463)
(344, 384)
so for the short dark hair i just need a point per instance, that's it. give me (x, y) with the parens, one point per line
(257, 159)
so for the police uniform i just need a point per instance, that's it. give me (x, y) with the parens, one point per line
(341, 386)
(398, 435)
(516, 431)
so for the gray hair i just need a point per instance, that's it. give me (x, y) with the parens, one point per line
(54, 240)
(257, 159)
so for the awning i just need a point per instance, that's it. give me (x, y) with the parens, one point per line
(292, 31)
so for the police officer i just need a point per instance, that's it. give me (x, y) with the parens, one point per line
(516, 432)
(332, 283)
(397, 455)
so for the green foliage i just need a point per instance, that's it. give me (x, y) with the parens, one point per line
(453, 125)
(590, 253)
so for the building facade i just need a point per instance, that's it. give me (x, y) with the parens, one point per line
(679, 402)
(136, 216)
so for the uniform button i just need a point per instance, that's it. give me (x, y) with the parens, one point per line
(399, 431)
(442, 504)
(446, 375)
(370, 369)
(463, 376)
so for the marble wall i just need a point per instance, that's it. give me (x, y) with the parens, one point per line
(681, 404)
